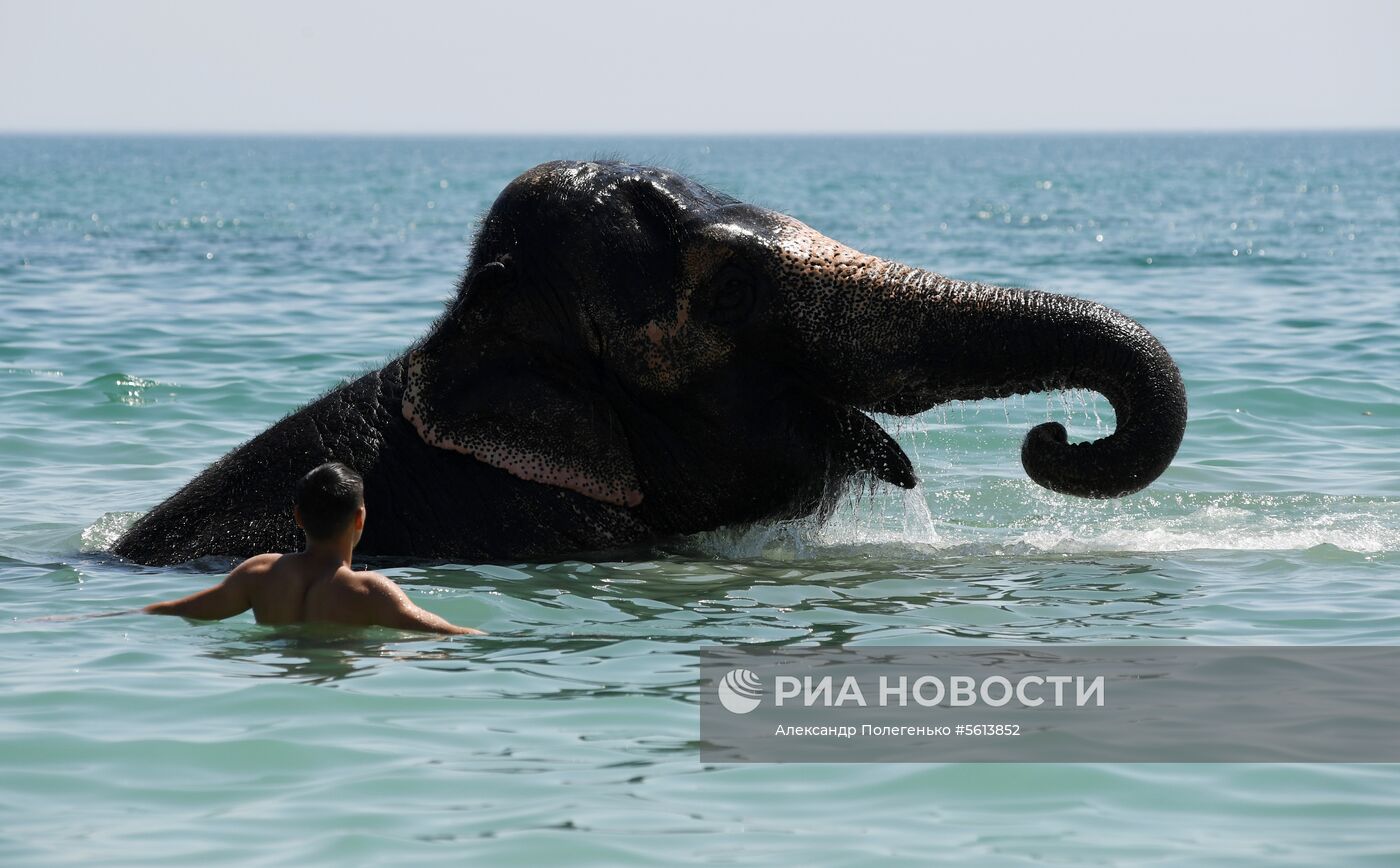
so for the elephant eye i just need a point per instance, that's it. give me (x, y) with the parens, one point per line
(732, 300)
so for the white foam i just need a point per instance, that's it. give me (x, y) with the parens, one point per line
(101, 534)
(1033, 521)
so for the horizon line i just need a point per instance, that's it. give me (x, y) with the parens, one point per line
(679, 134)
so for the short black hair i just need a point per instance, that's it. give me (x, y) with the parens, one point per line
(327, 499)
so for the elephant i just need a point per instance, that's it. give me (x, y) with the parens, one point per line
(631, 356)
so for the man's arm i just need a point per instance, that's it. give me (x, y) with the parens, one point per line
(226, 599)
(389, 606)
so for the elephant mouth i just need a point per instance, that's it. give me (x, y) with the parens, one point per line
(867, 447)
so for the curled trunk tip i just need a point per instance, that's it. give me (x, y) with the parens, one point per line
(1151, 423)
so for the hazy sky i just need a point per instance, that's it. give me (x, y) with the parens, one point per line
(711, 66)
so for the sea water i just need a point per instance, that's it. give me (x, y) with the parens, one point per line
(163, 299)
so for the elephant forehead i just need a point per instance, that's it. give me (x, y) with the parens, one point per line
(561, 175)
(600, 181)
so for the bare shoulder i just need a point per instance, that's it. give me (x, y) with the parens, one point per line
(260, 562)
(366, 582)
(387, 605)
(256, 566)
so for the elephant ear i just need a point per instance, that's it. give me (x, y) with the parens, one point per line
(482, 384)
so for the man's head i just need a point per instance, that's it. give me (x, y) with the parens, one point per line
(329, 501)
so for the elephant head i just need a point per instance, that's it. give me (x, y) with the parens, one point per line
(626, 334)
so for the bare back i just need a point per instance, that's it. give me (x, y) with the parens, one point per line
(294, 589)
(302, 587)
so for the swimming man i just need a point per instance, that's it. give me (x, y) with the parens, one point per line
(317, 584)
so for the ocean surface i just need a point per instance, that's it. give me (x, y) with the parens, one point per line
(163, 299)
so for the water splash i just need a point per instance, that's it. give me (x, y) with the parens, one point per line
(131, 390)
(1015, 516)
(101, 534)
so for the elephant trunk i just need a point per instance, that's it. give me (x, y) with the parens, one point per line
(887, 337)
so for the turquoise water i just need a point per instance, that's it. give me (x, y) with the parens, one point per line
(164, 299)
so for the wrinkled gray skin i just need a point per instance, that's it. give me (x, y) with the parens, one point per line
(632, 356)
